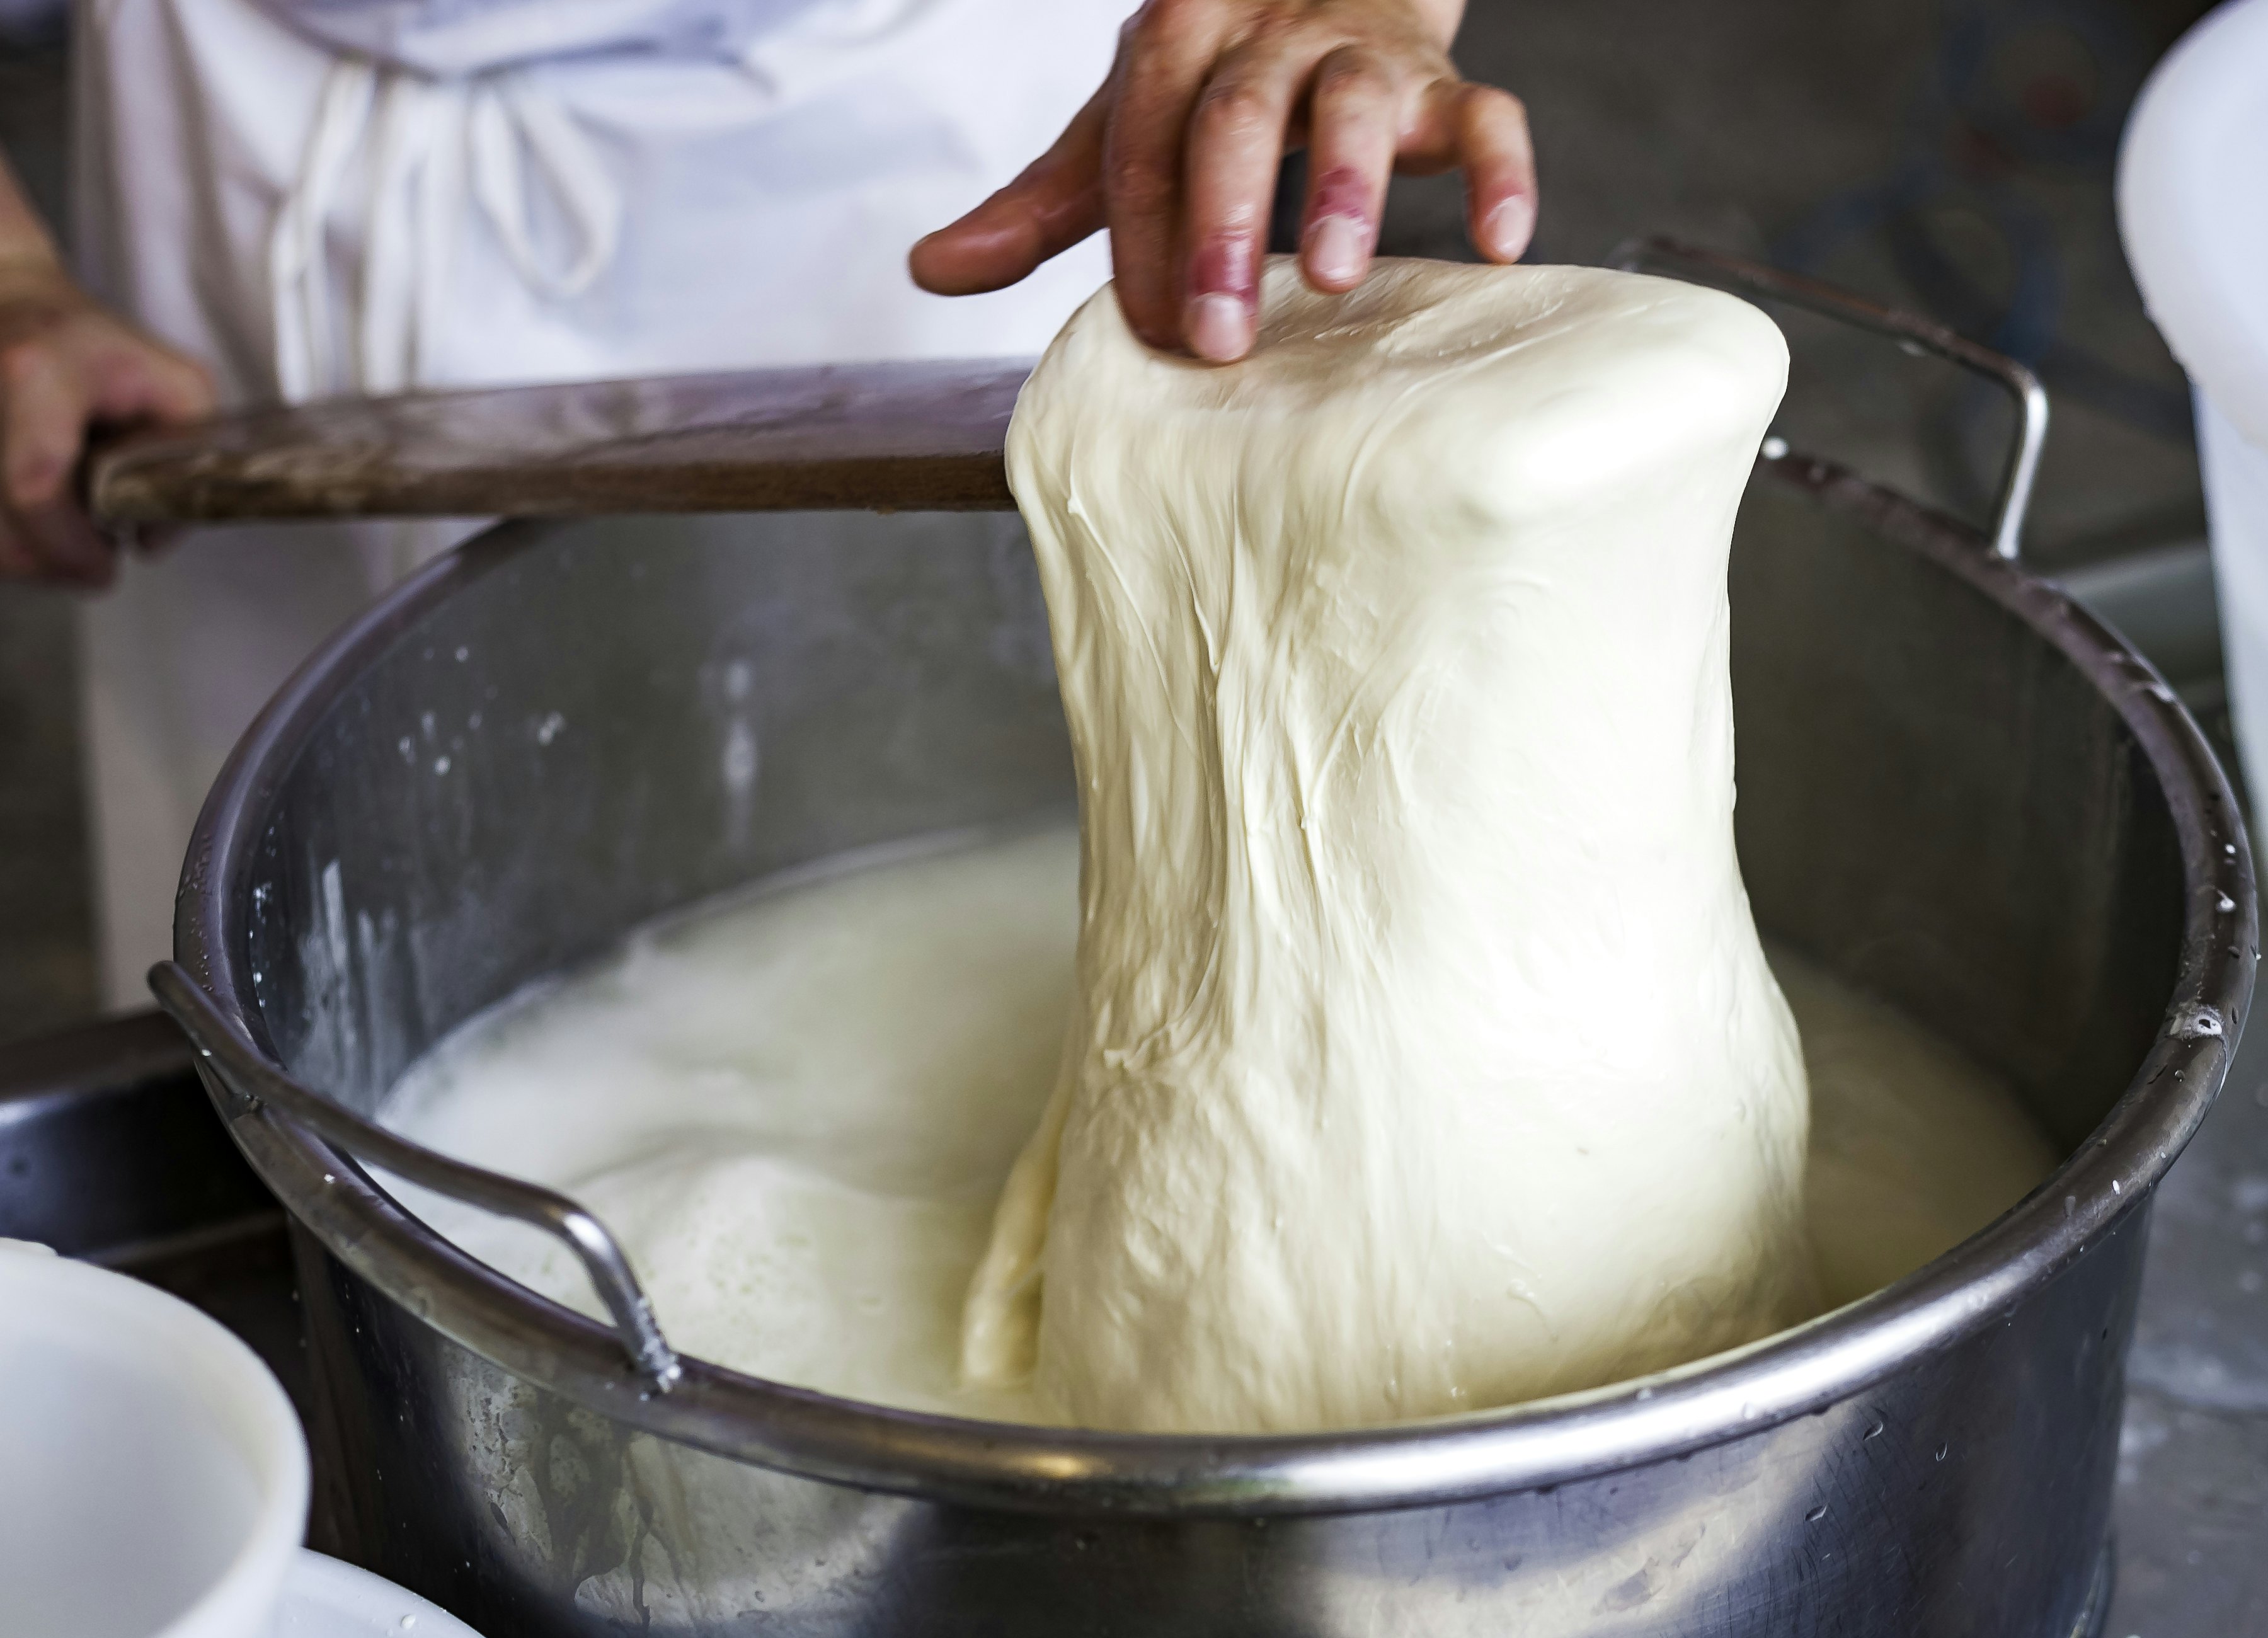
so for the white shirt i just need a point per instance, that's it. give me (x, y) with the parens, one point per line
(329, 197)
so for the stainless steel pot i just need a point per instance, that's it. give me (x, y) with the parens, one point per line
(1955, 788)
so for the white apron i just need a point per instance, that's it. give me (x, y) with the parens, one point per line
(366, 195)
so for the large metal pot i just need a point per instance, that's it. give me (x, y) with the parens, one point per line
(1955, 788)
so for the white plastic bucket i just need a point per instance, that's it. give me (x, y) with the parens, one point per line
(2193, 212)
(153, 1480)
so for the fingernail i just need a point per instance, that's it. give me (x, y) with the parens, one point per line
(1509, 227)
(1220, 329)
(1337, 245)
(1223, 290)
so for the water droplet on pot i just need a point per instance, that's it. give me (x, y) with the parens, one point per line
(2196, 1023)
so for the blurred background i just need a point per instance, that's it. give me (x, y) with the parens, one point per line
(1953, 157)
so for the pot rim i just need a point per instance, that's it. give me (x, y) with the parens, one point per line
(1536, 1445)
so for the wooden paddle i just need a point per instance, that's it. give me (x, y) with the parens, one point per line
(878, 437)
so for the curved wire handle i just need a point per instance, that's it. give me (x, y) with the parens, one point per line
(217, 1038)
(1914, 335)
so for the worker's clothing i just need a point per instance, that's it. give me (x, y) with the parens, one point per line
(340, 197)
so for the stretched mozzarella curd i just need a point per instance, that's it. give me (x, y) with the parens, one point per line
(797, 1109)
(1423, 1053)
(1394, 1037)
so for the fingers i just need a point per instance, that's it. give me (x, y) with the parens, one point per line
(1235, 148)
(65, 364)
(1349, 156)
(1168, 51)
(43, 413)
(1177, 155)
(159, 385)
(1499, 162)
(1054, 205)
(1484, 130)
(44, 407)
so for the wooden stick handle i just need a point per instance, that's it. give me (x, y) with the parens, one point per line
(923, 436)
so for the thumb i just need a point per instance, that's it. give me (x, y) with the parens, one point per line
(1057, 202)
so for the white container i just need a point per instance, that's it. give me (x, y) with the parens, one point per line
(153, 1480)
(2193, 212)
(324, 1598)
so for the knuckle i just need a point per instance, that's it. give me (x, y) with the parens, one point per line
(1352, 74)
(1234, 109)
(1161, 19)
(1137, 178)
(1138, 183)
(1272, 33)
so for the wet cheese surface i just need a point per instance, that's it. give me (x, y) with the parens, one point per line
(798, 1107)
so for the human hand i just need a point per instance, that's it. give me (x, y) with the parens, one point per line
(66, 364)
(1177, 155)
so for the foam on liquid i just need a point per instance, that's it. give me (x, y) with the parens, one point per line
(796, 1109)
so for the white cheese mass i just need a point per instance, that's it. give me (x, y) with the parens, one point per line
(1424, 1055)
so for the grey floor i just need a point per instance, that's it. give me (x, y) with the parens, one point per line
(1953, 158)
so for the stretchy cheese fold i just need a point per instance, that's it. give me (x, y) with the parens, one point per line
(1422, 1054)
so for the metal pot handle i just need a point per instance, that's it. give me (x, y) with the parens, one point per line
(1912, 334)
(219, 1039)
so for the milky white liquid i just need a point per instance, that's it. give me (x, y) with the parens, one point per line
(796, 1109)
